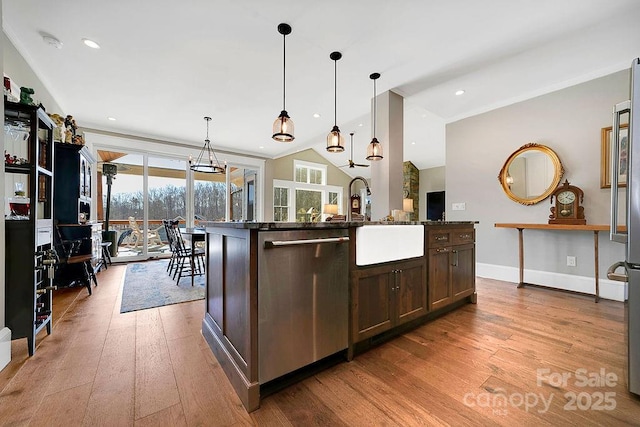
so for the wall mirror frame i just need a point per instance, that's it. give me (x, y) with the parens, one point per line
(531, 183)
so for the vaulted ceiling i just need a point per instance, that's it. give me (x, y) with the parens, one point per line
(164, 65)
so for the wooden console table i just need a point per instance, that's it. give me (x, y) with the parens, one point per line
(561, 227)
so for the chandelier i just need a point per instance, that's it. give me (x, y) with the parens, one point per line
(207, 161)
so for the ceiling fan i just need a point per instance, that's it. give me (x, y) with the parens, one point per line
(351, 164)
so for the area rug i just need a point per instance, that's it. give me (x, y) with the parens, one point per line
(148, 285)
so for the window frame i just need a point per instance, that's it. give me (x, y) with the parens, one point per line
(292, 186)
(309, 166)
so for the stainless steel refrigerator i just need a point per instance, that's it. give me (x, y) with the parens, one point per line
(625, 210)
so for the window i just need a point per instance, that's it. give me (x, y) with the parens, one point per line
(294, 201)
(302, 199)
(209, 195)
(309, 173)
(280, 204)
(308, 205)
(334, 198)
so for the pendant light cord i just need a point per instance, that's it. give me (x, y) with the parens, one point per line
(284, 70)
(335, 92)
(375, 107)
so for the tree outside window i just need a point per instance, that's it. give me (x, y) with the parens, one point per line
(280, 204)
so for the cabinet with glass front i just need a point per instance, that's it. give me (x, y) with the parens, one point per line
(29, 256)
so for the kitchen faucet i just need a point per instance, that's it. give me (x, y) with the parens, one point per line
(351, 193)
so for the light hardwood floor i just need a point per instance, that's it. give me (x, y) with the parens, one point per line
(491, 363)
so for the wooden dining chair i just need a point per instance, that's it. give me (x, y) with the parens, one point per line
(168, 228)
(187, 262)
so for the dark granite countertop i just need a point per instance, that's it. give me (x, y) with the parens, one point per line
(323, 225)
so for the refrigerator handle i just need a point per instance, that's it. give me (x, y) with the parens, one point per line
(618, 110)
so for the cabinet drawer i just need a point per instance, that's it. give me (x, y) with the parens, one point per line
(461, 237)
(448, 237)
(439, 238)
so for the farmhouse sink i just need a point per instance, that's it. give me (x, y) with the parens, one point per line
(384, 243)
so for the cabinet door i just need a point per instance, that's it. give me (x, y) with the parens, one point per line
(440, 292)
(411, 290)
(463, 277)
(371, 309)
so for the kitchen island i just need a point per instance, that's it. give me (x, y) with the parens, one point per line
(283, 296)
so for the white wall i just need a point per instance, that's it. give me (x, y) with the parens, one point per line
(569, 122)
(21, 73)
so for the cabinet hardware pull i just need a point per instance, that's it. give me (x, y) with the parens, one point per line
(441, 238)
(442, 250)
(465, 236)
(455, 258)
(275, 243)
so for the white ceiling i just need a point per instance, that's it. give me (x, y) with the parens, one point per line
(163, 65)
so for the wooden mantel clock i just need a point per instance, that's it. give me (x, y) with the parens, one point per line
(567, 205)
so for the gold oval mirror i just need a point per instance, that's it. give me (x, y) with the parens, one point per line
(531, 174)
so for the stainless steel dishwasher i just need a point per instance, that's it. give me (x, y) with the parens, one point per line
(302, 298)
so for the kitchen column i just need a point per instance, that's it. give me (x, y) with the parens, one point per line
(386, 174)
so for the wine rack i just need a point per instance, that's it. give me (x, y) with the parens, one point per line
(29, 249)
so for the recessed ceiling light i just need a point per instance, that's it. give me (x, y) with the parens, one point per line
(91, 44)
(316, 115)
(413, 143)
(113, 119)
(360, 125)
(459, 92)
(52, 41)
(261, 147)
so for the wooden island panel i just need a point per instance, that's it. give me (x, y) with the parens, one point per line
(230, 323)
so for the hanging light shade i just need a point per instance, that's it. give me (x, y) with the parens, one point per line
(374, 150)
(335, 140)
(283, 128)
(207, 160)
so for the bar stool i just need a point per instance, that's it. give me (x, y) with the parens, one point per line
(106, 256)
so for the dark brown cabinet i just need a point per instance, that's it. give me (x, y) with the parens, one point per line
(28, 260)
(386, 296)
(451, 263)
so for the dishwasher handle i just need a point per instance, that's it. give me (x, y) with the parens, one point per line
(619, 277)
(270, 244)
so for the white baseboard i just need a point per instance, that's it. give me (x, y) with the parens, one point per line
(5, 347)
(609, 289)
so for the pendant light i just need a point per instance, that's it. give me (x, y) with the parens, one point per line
(374, 150)
(205, 161)
(283, 126)
(335, 140)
